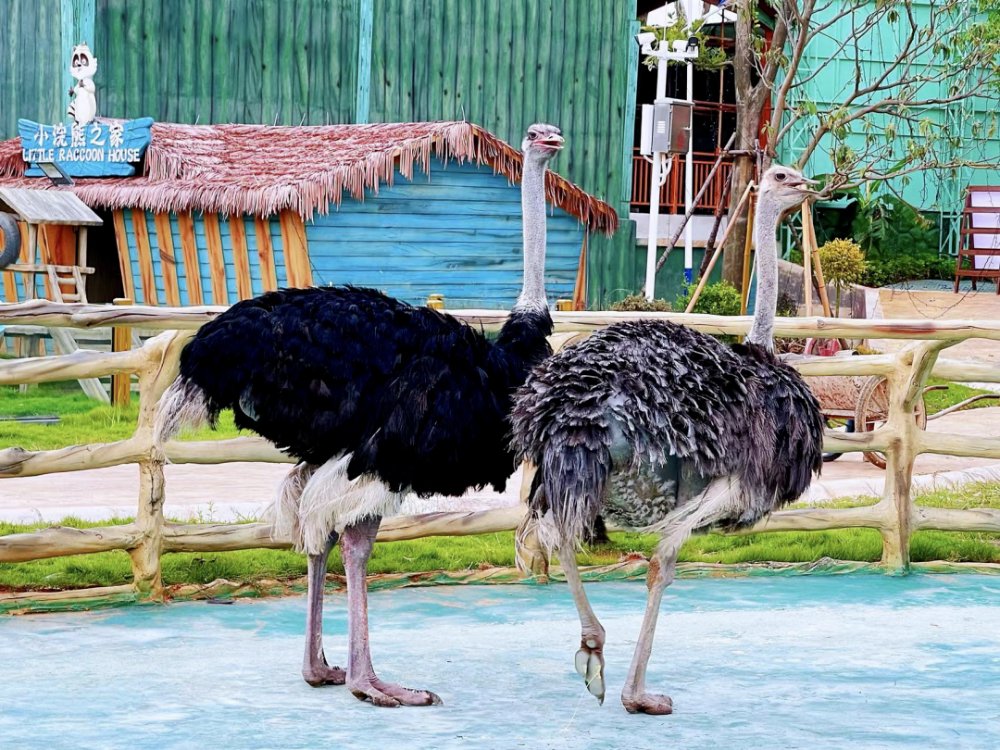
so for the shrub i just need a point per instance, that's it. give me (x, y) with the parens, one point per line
(720, 298)
(639, 303)
(843, 264)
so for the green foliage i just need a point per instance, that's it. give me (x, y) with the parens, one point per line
(709, 58)
(908, 268)
(720, 298)
(639, 303)
(899, 242)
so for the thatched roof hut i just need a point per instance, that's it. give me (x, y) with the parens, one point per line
(412, 208)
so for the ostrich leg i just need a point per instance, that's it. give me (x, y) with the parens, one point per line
(315, 669)
(356, 547)
(590, 657)
(701, 511)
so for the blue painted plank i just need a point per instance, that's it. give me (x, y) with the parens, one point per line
(140, 298)
(256, 282)
(279, 253)
(154, 251)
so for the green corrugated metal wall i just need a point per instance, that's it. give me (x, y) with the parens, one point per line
(35, 72)
(254, 61)
(502, 64)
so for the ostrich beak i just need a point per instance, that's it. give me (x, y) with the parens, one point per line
(553, 142)
(802, 185)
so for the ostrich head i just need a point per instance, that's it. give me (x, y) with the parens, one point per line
(541, 143)
(781, 190)
(785, 187)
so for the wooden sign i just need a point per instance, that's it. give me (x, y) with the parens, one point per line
(97, 149)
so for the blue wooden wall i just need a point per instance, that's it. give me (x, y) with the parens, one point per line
(457, 233)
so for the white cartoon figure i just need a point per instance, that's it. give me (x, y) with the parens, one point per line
(82, 67)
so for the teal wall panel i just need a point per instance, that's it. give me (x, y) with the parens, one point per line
(36, 75)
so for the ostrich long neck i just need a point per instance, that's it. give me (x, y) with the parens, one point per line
(765, 307)
(533, 213)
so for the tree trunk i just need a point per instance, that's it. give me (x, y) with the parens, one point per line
(749, 101)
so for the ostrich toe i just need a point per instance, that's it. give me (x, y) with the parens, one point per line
(322, 674)
(390, 695)
(590, 665)
(648, 703)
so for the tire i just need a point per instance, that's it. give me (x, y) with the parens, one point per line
(10, 249)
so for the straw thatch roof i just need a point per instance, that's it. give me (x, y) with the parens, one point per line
(262, 169)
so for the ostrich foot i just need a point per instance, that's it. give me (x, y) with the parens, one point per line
(321, 674)
(590, 665)
(390, 695)
(648, 703)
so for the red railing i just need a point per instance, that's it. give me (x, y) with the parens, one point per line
(672, 191)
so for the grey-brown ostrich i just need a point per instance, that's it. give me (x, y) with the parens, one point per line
(657, 425)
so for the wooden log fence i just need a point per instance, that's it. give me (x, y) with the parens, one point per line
(155, 364)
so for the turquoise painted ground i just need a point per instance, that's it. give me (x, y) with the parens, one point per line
(823, 662)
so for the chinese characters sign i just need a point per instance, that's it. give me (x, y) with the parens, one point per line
(94, 149)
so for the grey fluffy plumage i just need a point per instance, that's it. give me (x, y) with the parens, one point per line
(636, 419)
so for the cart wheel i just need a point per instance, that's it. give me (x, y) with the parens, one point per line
(873, 409)
(848, 427)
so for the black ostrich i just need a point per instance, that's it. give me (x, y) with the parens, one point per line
(654, 424)
(376, 398)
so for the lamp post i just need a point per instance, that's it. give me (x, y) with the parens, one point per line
(679, 51)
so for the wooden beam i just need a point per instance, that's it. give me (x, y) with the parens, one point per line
(168, 261)
(220, 451)
(124, 259)
(16, 462)
(58, 541)
(146, 274)
(189, 250)
(293, 241)
(216, 260)
(241, 256)
(265, 252)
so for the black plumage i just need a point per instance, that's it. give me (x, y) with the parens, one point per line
(376, 398)
(420, 399)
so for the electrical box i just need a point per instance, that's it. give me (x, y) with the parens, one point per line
(671, 127)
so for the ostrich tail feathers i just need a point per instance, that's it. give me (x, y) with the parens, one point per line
(283, 513)
(573, 487)
(184, 404)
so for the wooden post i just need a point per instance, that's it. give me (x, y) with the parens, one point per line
(159, 372)
(747, 245)
(81, 261)
(121, 341)
(906, 384)
(810, 246)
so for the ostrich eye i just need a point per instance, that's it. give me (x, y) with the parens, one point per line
(531, 136)
(780, 177)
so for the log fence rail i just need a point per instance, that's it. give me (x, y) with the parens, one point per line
(155, 364)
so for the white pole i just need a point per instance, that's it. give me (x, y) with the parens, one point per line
(689, 182)
(654, 192)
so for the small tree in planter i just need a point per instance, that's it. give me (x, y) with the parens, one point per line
(843, 264)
